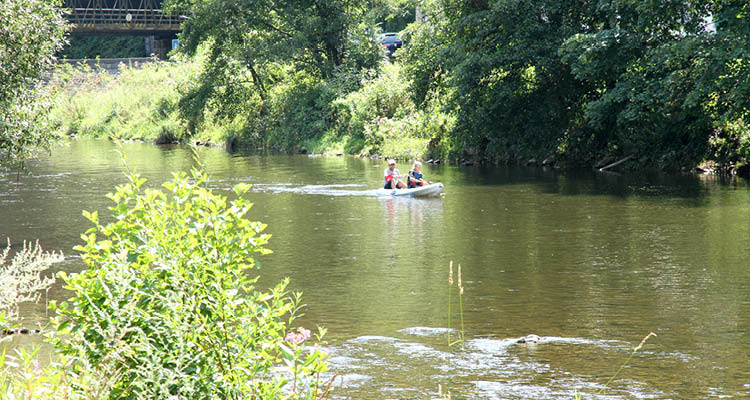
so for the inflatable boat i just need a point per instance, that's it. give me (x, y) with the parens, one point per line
(433, 189)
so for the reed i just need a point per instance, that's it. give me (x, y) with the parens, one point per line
(635, 350)
(450, 309)
(579, 396)
(460, 304)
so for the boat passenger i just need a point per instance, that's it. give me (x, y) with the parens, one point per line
(391, 174)
(415, 178)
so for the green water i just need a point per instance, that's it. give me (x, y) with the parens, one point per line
(590, 262)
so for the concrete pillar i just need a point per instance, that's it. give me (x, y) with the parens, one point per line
(157, 47)
(149, 43)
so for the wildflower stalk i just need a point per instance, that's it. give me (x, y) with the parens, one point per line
(460, 302)
(635, 350)
(450, 284)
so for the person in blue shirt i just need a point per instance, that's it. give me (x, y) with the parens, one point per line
(415, 178)
(391, 175)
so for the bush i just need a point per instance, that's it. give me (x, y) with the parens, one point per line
(382, 113)
(21, 281)
(730, 146)
(168, 306)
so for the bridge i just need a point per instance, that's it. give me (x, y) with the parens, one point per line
(126, 17)
(131, 17)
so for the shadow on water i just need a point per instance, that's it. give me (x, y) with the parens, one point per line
(643, 184)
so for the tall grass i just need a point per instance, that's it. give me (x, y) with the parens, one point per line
(139, 102)
(578, 396)
(363, 113)
(460, 289)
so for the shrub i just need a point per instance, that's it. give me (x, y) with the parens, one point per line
(730, 146)
(168, 306)
(382, 113)
(21, 280)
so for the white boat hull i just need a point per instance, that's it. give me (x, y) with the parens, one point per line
(423, 191)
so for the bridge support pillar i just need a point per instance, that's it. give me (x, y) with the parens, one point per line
(157, 46)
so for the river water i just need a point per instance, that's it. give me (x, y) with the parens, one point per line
(590, 262)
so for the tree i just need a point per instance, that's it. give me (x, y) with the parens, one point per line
(513, 96)
(31, 33)
(247, 41)
(643, 62)
(664, 82)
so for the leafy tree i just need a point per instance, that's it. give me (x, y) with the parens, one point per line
(661, 81)
(724, 87)
(247, 41)
(513, 95)
(31, 32)
(641, 61)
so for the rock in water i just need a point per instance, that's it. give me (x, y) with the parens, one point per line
(528, 339)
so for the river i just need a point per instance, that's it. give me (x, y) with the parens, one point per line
(591, 262)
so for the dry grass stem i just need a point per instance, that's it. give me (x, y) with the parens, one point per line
(450, 274)
(635, 350)
(643, 341)
(21, 280)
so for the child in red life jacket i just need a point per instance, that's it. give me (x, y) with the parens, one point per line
(415, 176)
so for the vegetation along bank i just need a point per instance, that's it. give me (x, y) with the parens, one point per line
(662, 86)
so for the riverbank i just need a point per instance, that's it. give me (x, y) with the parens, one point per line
(367, 115)
(372, 114)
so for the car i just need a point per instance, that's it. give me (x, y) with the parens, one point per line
(391, 42)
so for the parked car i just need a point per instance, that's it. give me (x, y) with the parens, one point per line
(391, 42)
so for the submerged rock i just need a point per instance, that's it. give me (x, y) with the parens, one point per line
(529, 339)
(21, 331)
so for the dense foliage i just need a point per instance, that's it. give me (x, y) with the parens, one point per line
(105, 46)
(574, 82)
(168, 306)
(31, 32)
(252, 45)
(585, 80)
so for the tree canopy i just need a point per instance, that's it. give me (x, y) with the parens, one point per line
(31, 33)
(586, 79)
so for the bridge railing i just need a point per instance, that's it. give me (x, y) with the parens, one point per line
(91, 18)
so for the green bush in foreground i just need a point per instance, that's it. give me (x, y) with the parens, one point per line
(168, 307)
